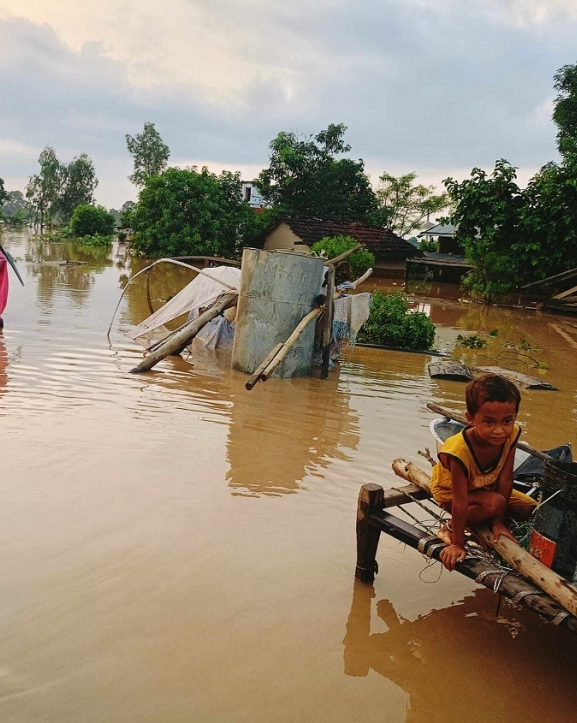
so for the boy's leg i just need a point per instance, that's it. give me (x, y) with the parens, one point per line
(520, 507)
(484, 505)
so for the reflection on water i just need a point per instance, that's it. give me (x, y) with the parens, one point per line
(463, 663)
(280, 433)
(176, 548)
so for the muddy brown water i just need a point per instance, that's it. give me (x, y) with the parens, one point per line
(175, 548)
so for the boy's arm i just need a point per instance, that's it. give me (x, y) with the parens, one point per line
(459, 509)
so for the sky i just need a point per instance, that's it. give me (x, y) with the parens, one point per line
(431, 86)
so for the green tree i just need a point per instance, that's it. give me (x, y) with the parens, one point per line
(353, 266)
(565, 111)
(548, 222)
(78, 185)
(487, 213)
(305, 179)
(43, 190)
(186, 212)
(14, 210)
(149, 154)
(88, 220)
(403, 205)
(3, 193)
(126, 213)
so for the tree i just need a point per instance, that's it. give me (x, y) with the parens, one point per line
(565, 110)
(305, 179)
(90, 220)
(149, 153)
(353, 266)
(403, 205)
(126, 213)
(3, 194)
(487, 213)
(185, 212)
(43, 190)
(548, 222)
(14, 210)
(78, 185)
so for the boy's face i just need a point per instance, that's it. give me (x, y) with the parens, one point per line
(494, 422)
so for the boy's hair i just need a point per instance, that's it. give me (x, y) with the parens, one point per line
(490, 388)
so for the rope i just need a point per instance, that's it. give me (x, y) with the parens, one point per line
(501, 576)
(558, 619)
(418, 502)
(523, 594)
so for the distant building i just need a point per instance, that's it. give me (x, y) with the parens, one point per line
(251, 195)
(390, 251)
(444, 236)
(448, 262)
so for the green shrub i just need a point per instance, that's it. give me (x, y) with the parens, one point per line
(390, 323)
(90, 220)
(354, 266)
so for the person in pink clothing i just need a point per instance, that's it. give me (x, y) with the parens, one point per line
(3, 285)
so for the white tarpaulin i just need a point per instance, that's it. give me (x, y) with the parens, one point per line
(203, 290)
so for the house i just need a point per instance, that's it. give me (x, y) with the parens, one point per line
(444, 236)
(448, 262)
(251, 195)
(299, 234)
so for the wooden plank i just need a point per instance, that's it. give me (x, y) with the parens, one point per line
(563, 294)
(400, 496)
(550, 279)
(482, 572)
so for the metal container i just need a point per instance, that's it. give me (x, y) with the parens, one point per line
(278, 288)
(554, 538)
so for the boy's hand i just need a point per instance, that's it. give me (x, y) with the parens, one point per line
(451, 555)
(500, 528)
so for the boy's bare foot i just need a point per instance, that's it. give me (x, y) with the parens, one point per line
(500, 528)
(445, 534)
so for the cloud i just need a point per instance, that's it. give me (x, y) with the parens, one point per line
(424, 85)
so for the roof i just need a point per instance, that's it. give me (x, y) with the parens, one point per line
(381, 242)
(439, 229)
(431, 259)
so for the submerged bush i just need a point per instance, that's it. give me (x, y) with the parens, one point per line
(95, 240)
(354, 266)
(90, 220)
(390, 323)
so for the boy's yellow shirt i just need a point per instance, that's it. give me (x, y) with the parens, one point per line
(459, 447)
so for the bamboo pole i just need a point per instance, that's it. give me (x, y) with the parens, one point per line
(526, 565)
(289, 343)
(343, 256)
(185, 335)
(255, 376)
(451, 414)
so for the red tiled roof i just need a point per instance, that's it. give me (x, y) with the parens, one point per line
(384, 244)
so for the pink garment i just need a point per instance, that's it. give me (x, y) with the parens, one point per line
(3, 282)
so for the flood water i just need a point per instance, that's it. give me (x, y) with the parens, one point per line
(174, 548)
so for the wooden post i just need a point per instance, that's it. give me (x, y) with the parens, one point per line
(370, 498)
(328, 325)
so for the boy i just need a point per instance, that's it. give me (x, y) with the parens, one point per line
(473, 479)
